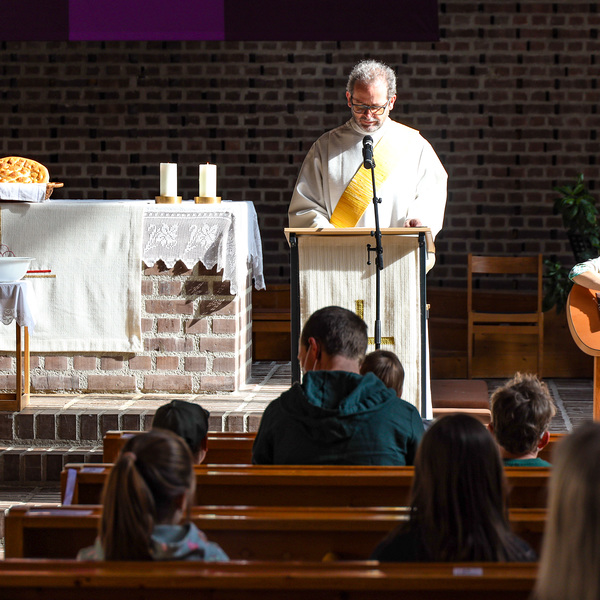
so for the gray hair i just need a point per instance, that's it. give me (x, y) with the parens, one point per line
(370, 71)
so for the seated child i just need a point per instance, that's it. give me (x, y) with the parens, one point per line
(458, 501)
(189, 421)
(149, 490)
(521, 413)
(387, 366)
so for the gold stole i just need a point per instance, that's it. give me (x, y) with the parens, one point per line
(359, 193)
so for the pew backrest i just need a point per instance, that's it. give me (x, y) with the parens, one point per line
(259, 485)
(223, 447)
(249, 533)
(236, 448)
(61, 580)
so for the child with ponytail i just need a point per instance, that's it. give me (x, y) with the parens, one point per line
(148, 491)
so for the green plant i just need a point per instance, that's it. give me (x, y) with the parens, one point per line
(580, 217)
(579, 214)
(557, 285)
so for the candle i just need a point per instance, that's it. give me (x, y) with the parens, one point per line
(208, 181)
(168, 179)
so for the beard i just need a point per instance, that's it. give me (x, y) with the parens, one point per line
(372, 124)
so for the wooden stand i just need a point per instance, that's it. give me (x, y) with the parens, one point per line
(329, 267)
(20, 398)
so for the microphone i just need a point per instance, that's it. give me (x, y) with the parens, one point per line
(368, 161)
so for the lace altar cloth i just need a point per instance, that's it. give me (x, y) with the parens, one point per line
(16, 300)
(225, 235)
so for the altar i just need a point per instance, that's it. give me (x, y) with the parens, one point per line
(137, 296)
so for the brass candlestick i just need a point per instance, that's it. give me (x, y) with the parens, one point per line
(167, 199)
(207, 199)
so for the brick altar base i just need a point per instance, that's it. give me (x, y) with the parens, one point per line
(197, 338)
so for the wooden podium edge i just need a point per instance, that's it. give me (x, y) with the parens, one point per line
(362, 231)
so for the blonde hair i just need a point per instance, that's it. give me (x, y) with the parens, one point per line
(570, 558)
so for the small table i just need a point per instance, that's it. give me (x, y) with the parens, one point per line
(16, 299)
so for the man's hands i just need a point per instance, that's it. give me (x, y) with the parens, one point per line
(413, 223)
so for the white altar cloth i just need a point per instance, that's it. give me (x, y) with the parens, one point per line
(154, 232)
(17, 302)
(225, 235)
(91, 299)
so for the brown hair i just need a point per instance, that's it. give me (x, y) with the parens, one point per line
(387, 366)
(458, 495)
(570, 558)
(145, 485)
(521, 413)
(340, 331)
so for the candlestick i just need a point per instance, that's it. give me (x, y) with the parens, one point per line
(168, 179)
(168, 184)
(207, 181)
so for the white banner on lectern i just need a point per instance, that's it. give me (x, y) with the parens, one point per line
(334, 271)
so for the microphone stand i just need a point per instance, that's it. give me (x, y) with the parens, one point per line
(378, 249)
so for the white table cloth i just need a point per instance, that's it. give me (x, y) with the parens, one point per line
(79, 233)
(225, 235)
(23, 192)
(17, 303)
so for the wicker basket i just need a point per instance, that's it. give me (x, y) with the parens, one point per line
(50, 187)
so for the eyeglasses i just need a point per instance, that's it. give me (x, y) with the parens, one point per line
(363, 108)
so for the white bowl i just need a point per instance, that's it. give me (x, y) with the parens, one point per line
(13, 268)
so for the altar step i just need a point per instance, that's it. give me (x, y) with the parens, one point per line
(36, 444)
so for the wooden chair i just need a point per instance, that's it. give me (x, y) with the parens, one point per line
(519, 323)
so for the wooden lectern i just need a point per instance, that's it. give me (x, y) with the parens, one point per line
(329, 267)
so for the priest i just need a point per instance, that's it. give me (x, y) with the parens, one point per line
(335, 190)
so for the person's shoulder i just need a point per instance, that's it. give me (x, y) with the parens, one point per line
(207, 550)
(526, 462)
(399, 546)
(402, 129)
(338, 135)
(276, 406)
(386, 396)
(406, 407)
(521, 551)
(94, 552)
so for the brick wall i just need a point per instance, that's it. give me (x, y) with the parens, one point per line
(508, 98)
(196, 336)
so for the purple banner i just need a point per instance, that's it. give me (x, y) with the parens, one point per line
(351, 20)
(34, 20)
(146, 20)
(240, 20)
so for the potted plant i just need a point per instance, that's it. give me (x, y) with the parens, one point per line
(580, 217)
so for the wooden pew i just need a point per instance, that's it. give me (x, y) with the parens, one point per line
(547, 451)
(249, 533)
(257, 485)
(69, 580)
(224, 448)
